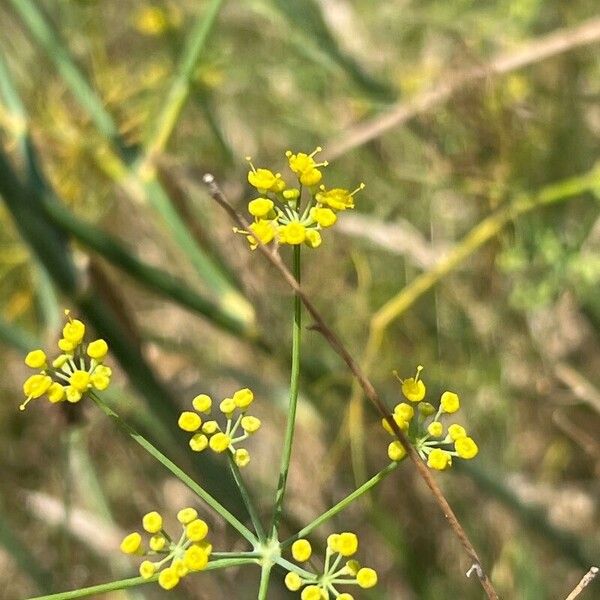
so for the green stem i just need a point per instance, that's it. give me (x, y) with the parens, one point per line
(265, 575)
(341, 505)
(123, 584)
(293, 401)
(246, 498)
(175, 470)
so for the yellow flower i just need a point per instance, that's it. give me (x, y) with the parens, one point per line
(450, 402)
(250, 424)
(97, 349)
(180, 568)
(313, 238)
(325, 217)
(151, 20)
(347, 544)
(301, 550)
(168, 578)
(301, 162)
(209, 427)
(227, 406)
(219, 442)
(187, 515)
(241, 457)
(198, 442)
(265, 180)
(456, 432)
(196, 530)
(413, 388)
(261, 232)
(195, 558)
(466, 448)
(311, 592)
(152, 522)
(243, 398)
(74, 331)
(402, 424)
(202, 403)
(435, 429)
(157, 543)
(337, 198)
(261, 208)
(293, 581)
(36, 385)
(80, 380)
(60, 360)
(332, 542)
(310, 177)
(100, 378)
(345, 596)
(73, 394)
(189, 421)
(147, 569)
(36, 359)
(293, 233)
(366, 578)
(439, 459)
(404, 411)
(396, 451)
(56, 392)
(131, 543)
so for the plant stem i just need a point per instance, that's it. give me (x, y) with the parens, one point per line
(123, 584)
(175, 470)
(265, 575)
(246, 498)
(294, 386)
(342, 504)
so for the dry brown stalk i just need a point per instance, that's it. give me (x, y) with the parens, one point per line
(585, 581)
(369, 390)
(536, 50)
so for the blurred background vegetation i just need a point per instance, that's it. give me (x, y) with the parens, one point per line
(110, 112)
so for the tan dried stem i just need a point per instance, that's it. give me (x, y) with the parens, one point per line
(369, 390)
(585, 581)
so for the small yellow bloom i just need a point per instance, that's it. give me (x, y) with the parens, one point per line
(345, 596)
(261, 208)
(56, 392)
(227, 406)
(311, 592)
(151, 20)
(450, 402)
(250, 424)
(157, 543)
(301, 550)
(313, 238)
(241, 457)
(466, 448)
(74, 331)
(435, 429)
(333, 541)
(310, 177)
(60, 360)
(100, 378)
(80, 380)
(439, 459)
(198, 442)
(168, 578)
(195, 558)
(413, 389)
(73, 394)
(293, 581)
(405, 411)
(264, 180)
(187, 515)
(97, 349)
(291, 194)
(35, 359)
(301, 162)
(209, 427)
(202, 403)
(396, 451)
(180, 568)
(189, 421)
(197, 530)
(219, 442)
(261, 232)
(293, 233)
(402, 424)
(352, 567)
(152, 522)
(325, 217)
(456, 432)
(347, 544)
(147, 569)
(243, 398)
(338, 198)
(36, 385)
(66, 345)
(131, 543)
(366, 578)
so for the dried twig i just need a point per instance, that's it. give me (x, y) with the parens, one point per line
(537, 50)
(369, 390)
(585, 581)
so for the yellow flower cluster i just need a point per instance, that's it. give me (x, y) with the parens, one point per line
(435, 444)
(279, 212)
(190, 553)
(322, 586)
(78, 369)
(209, 434)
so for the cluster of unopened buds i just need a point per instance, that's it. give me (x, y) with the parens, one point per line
(434, 443)
(209, 434)
(173, 559)
(77, 370)
(280, 213)
(336, 571)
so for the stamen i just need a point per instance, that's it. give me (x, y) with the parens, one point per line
(22, 406)
(395, 374)
(249, 159)
(358, 189)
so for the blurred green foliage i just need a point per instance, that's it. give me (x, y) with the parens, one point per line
(514, 329)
